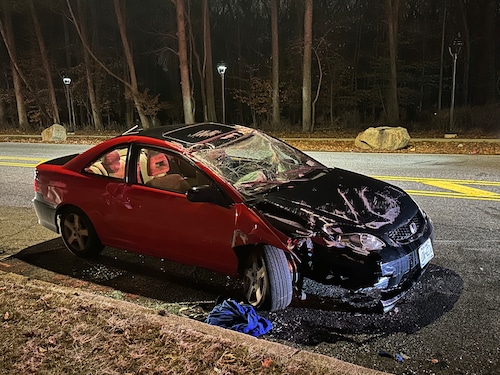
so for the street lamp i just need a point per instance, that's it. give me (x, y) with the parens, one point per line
(221, 69)
(69, 101)
(454, 49)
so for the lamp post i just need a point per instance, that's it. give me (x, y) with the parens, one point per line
(221, 69)
(454, 49)
(69, 101)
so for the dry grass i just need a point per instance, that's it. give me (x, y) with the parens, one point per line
(48, 329)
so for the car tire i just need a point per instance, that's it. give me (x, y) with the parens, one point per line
(267, 279)
(78, 233)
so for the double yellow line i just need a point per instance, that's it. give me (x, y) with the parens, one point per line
(18, 161)
(450, 188)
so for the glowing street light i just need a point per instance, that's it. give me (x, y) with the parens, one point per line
(221, 69)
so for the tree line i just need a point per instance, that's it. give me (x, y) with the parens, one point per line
(291, 64)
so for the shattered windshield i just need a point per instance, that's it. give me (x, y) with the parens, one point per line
(254, 162)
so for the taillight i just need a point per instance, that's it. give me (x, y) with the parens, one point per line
(36, 186)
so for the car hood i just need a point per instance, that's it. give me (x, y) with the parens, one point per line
(336, 200)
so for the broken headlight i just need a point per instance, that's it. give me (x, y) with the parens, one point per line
(361, 243)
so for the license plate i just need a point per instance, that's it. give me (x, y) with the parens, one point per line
(425, 253)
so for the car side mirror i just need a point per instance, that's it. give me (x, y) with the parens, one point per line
(207, 194)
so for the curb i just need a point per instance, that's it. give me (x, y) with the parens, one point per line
(307, 361)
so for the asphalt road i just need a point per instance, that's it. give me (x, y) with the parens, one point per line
(449, 324)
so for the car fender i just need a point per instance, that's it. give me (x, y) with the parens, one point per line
(252, 229)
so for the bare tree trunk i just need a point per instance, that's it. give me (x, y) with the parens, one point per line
(466, 36)
(443, 29)
(306, 71)
(318, 90)
(199, 67)
(96, 114)
(276, 65)
(8, 37)
(183, 63)
(208, 65)
(130, 63)
(67, 49)
(45, 64)
(392, 11)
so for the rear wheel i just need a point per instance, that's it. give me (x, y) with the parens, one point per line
(78, 233)
(267, 279)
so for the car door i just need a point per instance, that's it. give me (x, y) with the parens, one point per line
(157, 218)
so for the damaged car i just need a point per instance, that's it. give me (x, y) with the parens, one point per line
(235, 200)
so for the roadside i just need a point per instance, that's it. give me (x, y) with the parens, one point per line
(42, 330)
(49, 328)
(422, 143)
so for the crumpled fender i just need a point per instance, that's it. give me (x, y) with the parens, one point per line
(251, 228)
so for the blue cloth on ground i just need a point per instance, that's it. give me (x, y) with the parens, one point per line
(238, 317)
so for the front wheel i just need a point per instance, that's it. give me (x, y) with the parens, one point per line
(267, 279)
(78, 233)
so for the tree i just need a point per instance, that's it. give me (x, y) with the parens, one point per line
(392, 13)
(45, 63)
(96, 114)
(183, 63)
(208, 64)
(467, 46)
(9, 40)
(133, 87)
(275, 58)
(306, 67)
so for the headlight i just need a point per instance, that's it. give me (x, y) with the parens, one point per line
(361, 243)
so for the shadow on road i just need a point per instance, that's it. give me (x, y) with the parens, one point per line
(303, 323)
(131, 273)
(436, 293)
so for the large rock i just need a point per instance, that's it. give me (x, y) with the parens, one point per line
(54, 133)
(383, 138)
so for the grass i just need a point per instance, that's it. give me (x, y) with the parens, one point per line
(49, 329)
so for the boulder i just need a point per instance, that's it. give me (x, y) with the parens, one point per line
(54, 133)
(383, 138)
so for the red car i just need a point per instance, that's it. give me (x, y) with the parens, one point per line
(235, 200)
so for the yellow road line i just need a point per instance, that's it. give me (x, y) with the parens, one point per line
(19, 161)
(441, 194)
(427, 179)
(23, 165)
(454, 188)
(19, 158)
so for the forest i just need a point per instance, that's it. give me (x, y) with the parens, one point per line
(292, 65)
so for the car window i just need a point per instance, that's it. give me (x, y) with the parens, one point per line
(167, 171)
(254, 162)
(111, 164)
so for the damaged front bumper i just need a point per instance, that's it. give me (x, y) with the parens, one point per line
(374, 282)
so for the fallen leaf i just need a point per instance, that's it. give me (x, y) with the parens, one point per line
(267, 362)
(6, 316)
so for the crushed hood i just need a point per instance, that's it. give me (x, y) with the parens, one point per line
(335, 199)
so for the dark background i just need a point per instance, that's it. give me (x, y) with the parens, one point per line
(350, 62)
